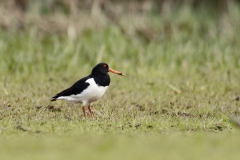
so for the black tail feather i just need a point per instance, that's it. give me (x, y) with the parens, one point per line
(63, 93)
(53, 99)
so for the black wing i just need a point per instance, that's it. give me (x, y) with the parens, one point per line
(76, 88)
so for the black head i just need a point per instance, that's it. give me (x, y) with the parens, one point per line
(103, 69)
(100, 69)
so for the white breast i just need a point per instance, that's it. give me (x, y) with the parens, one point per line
(89, 95)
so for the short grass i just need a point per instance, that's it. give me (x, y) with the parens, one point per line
(174, 102)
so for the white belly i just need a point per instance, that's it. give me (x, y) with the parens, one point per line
(89, 95)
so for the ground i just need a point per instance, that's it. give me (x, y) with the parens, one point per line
(175, 101)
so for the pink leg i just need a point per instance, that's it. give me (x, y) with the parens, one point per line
(84, 111)
(90, 110)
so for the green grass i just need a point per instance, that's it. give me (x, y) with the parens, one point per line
(204, 146)
(174, 102)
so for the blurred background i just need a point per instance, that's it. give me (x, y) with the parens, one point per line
(177, 35)
(76, 15)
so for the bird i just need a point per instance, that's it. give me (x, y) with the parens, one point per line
(88, 89)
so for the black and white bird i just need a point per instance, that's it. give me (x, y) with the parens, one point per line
(88, 89)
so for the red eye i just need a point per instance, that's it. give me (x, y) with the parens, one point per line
(104, 66)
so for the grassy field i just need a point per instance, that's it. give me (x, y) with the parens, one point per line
(174, 102)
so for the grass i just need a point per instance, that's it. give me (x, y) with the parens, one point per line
(112, 147)
(174, 102)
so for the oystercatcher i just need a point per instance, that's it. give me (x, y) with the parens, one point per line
(88, 89)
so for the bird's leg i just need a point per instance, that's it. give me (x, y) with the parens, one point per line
(84, 111)
(90, 110)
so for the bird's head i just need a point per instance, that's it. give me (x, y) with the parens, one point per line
(104, 69)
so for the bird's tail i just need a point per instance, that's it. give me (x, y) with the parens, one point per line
(63, 93)
(53, 99)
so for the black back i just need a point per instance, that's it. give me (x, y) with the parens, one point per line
(100, 76)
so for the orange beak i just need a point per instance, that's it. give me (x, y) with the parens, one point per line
(114, 71)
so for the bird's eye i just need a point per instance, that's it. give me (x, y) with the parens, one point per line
(104, 66)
